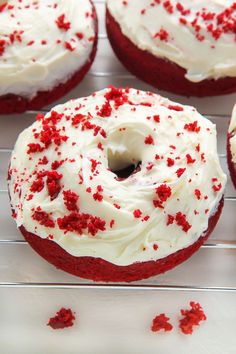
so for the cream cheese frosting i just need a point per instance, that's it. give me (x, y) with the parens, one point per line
(232, 131)
(43, 43)
(197, 35)
(63, 182)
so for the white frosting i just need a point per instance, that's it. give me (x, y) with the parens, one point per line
(27, 69)
(130, 239)
(232, 130)
(199, 58)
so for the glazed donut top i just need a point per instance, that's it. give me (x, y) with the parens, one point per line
(43, 43)
(63, 184)
(232, 132)
(197, 35)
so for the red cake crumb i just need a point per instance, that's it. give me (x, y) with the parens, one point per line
(64, 318)
(161, 322)
(192, 127)
(180, 171)
(149, 140)
(105, 110)
(163, 192)
(137, 213)
(176, 108)
(170, 162)
(43, 218)
(53, 183)
(190, 159)
(70, 199)
(62, 24)
(81, 222)
(156, 118)
(191, 318)
(198, 194)
(163, 35)
(181, 220)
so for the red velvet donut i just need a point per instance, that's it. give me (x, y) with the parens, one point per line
(15, 103)
(117, 186)
(161, 73)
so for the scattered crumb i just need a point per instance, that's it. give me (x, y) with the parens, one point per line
(64, 318)
(191, 318)
(161, 322)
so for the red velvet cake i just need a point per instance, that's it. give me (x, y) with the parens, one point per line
(231, 147)
(185, 47)
(118, 186)
(46, 48)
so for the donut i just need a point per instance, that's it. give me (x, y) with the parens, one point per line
(231, 147)
(118, 186)
(46, 49)
(185, 47)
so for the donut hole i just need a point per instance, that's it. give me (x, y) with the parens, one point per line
(122, 164)
(127, 171)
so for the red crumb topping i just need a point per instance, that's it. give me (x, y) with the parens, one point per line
(64, 318)
(190, 159)
(163, 192)
(37, 185)
(117, 95)
(191, 318)
(70, 200)
(180, 171)
(217, 188)
(155, 247)
(53, 185)
(181, 220)
(137, 213)
(78, 118)
(192, 127)
(80, 223)
(106, 110)
(156, 118)
(198, 194)
(161, 322)
(163, 35)
(170, 162)
(112, 222)
(34, 147)
(62, 24)
(98, 196)
(175, 108)
(43, 218)
(170, 220)
(149, 140)
(68, 46)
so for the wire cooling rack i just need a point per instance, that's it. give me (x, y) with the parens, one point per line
(210, 270)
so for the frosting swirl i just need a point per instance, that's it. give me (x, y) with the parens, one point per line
(43, 43)
(63, 176)
(197, 35)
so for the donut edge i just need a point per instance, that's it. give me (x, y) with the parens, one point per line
(161, 73)
(97, 269)
(231, 164)
(13, 104)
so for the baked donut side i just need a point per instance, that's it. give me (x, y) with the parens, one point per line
(17, 97)
(98, 269)
(161, 72)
